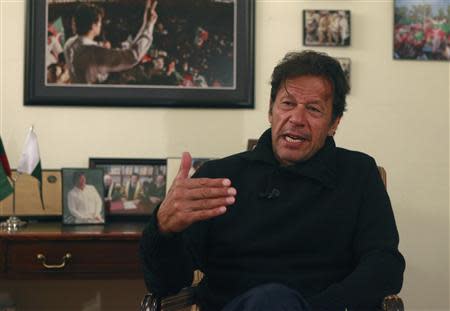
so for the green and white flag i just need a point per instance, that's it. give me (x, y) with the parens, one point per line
(30, 161)
(5, 186)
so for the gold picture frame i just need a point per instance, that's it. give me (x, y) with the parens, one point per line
(28, 202)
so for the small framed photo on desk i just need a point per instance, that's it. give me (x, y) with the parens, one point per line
(132, 186)
(82, 201)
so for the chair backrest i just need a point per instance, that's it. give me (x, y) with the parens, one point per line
(382, 174)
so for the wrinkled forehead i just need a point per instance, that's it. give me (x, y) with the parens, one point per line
(307, 86)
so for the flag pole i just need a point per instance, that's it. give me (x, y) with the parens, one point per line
(13, 223)
(40, 182)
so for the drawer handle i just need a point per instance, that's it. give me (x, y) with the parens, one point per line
(65, 258)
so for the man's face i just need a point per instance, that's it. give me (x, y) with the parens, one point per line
(159, 180)
(107, 180)
(301, 118)
(159, 63)
(134, 179)
(81, 182)
(97, 27)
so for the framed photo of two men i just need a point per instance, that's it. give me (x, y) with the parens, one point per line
(132, 187)
(171, 53)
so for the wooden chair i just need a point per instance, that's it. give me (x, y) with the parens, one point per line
(185, 299)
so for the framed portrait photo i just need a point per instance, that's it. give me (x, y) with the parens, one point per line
(132, 186)
(326, 28)
(82, 201)
(345, 65)
(422, 30)
(171, 53)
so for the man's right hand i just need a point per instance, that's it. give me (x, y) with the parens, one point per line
(150, 14)
(191, 200)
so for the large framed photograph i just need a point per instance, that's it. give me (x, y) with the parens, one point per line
(326, 28)
(82, 201)
(132, 186)
(422, 30)
(189, 53)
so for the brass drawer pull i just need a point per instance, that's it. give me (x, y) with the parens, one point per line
(65, 258)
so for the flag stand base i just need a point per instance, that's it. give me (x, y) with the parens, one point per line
(13, 223)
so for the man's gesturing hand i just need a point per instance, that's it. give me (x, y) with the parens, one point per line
(191, 200)
(150, 14)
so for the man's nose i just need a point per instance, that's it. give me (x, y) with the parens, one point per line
(298, 116)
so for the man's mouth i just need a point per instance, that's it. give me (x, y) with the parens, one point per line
(294, 138)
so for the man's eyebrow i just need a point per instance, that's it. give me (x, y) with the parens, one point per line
(316, 101)
(287, 95)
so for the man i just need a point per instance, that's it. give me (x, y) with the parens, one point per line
(88, 62)
(133, 188)
(108, 186)
(157, 189)
(344, 28)
(84, 202)
(153, 191)
(54, 49)
(112, 190)
(295, 224)
(324, 24)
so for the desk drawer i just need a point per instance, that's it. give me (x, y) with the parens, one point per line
(93, 258)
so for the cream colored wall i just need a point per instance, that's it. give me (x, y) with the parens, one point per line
(398, 112)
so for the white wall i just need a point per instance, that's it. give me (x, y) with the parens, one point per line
(398, 112)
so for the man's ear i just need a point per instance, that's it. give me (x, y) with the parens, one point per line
(334, 127)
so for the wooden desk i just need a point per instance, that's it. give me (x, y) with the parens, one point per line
(53, 251)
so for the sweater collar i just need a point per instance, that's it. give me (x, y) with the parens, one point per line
(321, 167)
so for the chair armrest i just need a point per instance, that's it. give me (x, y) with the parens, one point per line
(184, 299)
(393, 303)
(150, 303)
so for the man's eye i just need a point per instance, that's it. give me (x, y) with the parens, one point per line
(287, 104)
(316, 111)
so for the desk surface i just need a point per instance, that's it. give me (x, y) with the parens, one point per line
(51, 230)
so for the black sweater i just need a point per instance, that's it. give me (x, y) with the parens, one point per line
(324, 227)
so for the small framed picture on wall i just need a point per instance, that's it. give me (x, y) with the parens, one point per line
(82, 202)
(326, 28)
(345, 65)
